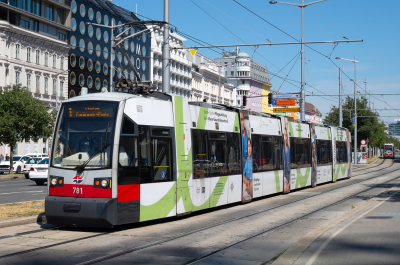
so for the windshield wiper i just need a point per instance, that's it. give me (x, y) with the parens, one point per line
(103, 147)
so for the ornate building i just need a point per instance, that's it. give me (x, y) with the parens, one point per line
(34, 53)
(89, 57)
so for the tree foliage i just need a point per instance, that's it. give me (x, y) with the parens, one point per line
(23, 117)
(368, 128)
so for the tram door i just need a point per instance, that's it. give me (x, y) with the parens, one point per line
(183, 154)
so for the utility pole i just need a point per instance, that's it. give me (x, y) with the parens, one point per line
(219, 85)
(340, 98)
(355, 110)
(166, 82)
(111, 57)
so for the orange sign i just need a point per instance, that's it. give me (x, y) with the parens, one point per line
(283, 103)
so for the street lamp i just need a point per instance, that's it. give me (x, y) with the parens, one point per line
(302, 6)
(355, 105)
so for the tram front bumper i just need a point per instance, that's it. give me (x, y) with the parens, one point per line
(75, 211)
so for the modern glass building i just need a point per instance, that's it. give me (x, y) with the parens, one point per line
(89, 57)
(394, 128)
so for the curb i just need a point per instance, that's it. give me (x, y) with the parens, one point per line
(11, 177)
(40, 219)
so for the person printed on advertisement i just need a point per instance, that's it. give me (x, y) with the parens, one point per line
(248, 173)
(286, 160)
(313, 157)
(348, 153)
(247, 161)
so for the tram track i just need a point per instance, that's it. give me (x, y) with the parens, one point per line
(108, 257)
(183, 234)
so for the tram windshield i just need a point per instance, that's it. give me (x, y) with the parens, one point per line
(388, 148)
(84, 133)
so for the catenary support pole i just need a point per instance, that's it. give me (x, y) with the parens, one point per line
(166, 82)
(219, 85)
(303, 110)
(340, 98)
(111, 58)
(355, 110)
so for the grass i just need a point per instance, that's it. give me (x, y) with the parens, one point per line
(24, 209)
(273, 259)
(372, 159)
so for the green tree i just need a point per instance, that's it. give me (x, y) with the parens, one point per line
(368, 127)
(23, 117)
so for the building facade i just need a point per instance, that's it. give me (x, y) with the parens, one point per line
(394, 128)
(207, 79)
(180, 67)
(91, 52)
(34, 53)
(250, 79)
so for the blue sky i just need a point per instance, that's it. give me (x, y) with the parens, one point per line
(376, 22)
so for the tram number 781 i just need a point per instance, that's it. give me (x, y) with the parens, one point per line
(78, 190)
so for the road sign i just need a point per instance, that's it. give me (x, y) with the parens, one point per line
(354, 120)
(286, 96)
(274, 103)
(286, 109)
(363, 142)
(284, 103)
(354, 125)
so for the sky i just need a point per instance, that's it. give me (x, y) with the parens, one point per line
(375, 22)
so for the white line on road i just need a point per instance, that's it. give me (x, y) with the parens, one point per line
(321, 248)
(20, 192)
(28, 188)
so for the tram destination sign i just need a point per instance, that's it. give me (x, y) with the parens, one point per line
(286, 96)
(285, 102)
(286, 109)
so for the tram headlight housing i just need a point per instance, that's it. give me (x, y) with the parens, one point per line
(53, 181)
(104, 183)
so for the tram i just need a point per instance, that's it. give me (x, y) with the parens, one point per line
(388, 150)
(119, 158)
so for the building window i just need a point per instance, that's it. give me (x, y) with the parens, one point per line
(62, 63)
(46, 86)
(37, 56)
(54, 86)
(17, 75)
(46, 59)
(59, 15)
(54, 61)
(17, 47)
(61, 36)
(15, 149)
(61, 89)
(28, 54)
(37, 84)
(49, 13)
(28, 82)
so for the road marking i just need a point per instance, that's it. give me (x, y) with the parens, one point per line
(20, 192)
(28, 188)
(316, 254)
(22, 202)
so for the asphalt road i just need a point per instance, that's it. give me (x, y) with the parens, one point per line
(21, 190)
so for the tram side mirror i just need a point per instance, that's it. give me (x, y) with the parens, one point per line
(80, 156)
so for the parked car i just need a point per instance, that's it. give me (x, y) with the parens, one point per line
(29, 163)
(18, 164)
(42, 155)
(38, 172)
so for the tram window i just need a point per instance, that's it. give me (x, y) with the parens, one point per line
(128, 161)
(233, 153)
(162, 159)
(128, 127)
(256, 152)
(217, 155)
(324, 152)
(200, 162)
(341, 152)
(300, 152)
(145, 155)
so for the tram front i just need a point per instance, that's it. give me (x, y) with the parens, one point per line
(81, 184)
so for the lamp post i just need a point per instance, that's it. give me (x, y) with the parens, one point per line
(355, 105)
(302, 6)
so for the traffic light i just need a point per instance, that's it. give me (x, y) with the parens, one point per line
(244, 101)
(269, 98)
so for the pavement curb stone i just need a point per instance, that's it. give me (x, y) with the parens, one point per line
(40, 219)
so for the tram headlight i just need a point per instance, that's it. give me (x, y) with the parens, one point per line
(104, 183)
(54, 181)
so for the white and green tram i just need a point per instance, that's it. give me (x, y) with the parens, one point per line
(119, 158)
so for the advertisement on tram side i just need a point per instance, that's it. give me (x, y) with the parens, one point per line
(247, 156)
(313, 156)
(286, 155)
(348, 153)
